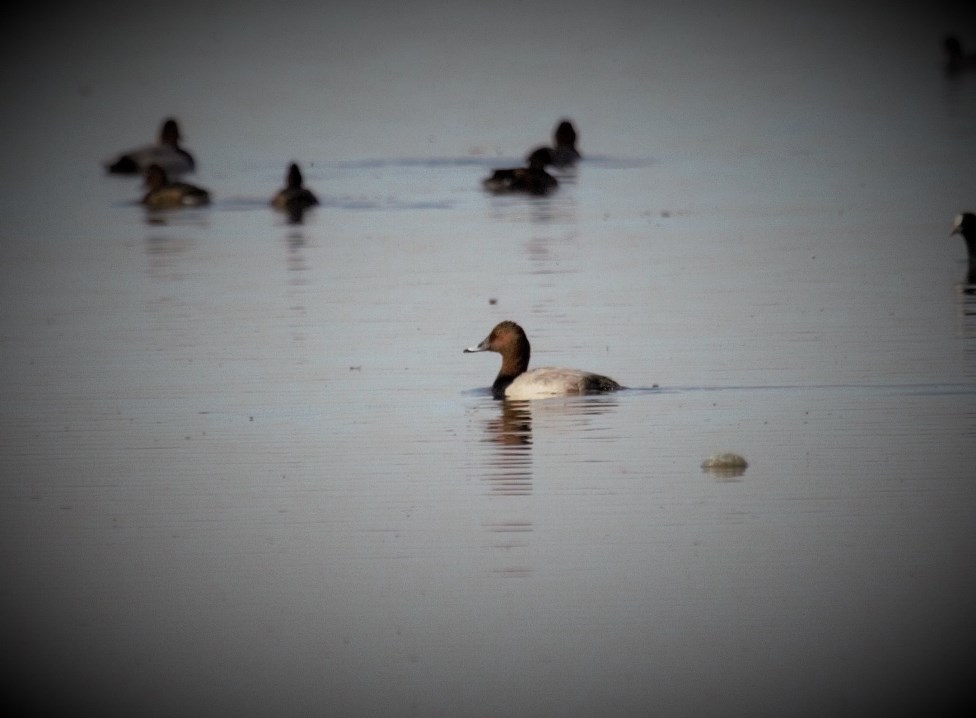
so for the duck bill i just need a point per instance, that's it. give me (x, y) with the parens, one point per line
(483, 347)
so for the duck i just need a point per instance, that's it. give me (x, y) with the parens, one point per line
(957, 61)
(516, 381)
(532, 179)
(164, 194)
(294, 198)
(165, 153)
(563, 153)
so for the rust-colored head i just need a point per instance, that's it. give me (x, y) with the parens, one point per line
(509, 340)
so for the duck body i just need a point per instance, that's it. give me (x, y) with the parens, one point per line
(565, 156)
(516, 381)
(532, 179)
(554, 381)
(165, 153)
(294, 196)
(174, 160)
(521, 180)
(164, 194)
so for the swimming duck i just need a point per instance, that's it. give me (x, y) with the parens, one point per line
(532, 179)
(163, 194)
(956, 60)
(293, 197)
(166, 153)
(564, 152)
(516, 381)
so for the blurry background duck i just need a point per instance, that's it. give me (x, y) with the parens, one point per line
(564, 152)
(294, 198)
(164, 194)
(165, 153)
(957, 61)
(532, 179)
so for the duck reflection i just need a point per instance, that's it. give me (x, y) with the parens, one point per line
(510, 469)
(297, 274)
(545, 210)
(966, 308)
(725, 474)
(297, 263)
(167, 255)
(509, 476)
(965, 226)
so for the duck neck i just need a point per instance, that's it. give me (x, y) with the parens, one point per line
(515, 361)
(500, 385)
(970, 238)
(294, 180)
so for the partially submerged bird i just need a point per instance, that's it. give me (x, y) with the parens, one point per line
(166, 153)
(517, 381)
(532, 179)
(294, 198)
(164, 194)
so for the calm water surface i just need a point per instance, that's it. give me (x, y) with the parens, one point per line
(248, 471)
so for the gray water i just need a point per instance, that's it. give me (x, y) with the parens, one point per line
(247, 471)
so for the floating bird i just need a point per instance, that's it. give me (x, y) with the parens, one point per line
(563, 153)
(163, 194)
(294, 198)
(517, 381)
(532, 179)
(166, 153)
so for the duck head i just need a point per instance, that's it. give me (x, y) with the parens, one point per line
(169, 133)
